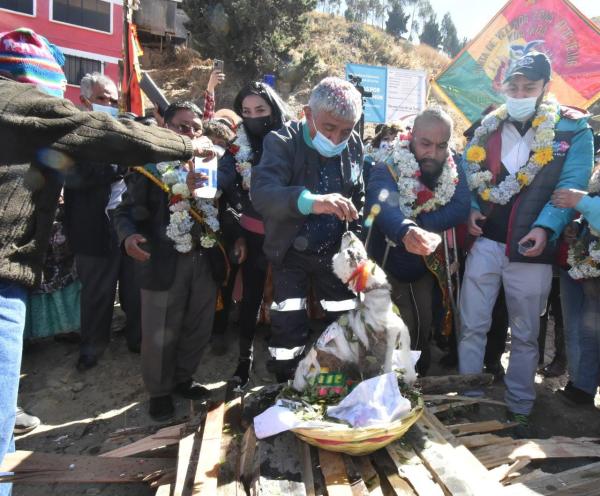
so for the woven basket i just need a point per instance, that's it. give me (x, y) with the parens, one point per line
(362, 440)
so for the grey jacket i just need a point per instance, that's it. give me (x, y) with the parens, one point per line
(287, 167)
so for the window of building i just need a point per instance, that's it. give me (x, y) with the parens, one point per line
(77, 67)
(93, 14)
(23, 6)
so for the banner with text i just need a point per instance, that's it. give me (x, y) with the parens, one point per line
(396, 94)
(474, 79)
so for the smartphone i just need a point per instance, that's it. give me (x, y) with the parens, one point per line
(522, 248)
(218, 65)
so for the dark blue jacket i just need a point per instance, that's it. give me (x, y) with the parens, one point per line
(392, 224)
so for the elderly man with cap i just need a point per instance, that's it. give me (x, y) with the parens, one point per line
(308, 186)
(41, 136)
(519, 155)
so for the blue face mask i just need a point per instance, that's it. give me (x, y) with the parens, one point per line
(325, 146)
(106, 109)
(521, 109)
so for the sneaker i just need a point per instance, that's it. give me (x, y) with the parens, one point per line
(575, 396)
(161, 408)
(242, 372)
(192, 390)
(524, 429)
(86, 362)
(24, 422)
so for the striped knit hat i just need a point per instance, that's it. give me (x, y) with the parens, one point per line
(28, 57)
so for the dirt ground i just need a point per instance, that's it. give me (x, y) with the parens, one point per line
(80, 410)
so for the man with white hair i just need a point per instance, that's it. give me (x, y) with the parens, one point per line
(308, 188)
(91, 195)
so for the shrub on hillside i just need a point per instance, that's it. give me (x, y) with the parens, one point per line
(251, 36)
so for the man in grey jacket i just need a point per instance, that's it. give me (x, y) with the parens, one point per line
(308, 188)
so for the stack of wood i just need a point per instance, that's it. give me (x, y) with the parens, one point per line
(208, 455)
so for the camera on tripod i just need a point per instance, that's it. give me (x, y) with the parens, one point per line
(357, 82)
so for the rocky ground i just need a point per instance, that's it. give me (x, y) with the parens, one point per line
(80, 410)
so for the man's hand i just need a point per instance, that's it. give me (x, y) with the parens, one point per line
(419, 241)
(335, 204)
(195, 180)
(539, 237)
(567, 198)
(133, 249)
(240, 250)
(216, 78)
(203, 148)
(472, 226)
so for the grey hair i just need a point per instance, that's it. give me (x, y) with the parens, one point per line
(86, 86)
(434, 113)
(338, 97)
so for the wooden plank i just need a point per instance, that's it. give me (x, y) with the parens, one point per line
(580, 481)
(455, 468)
(334, 472)
(369, 475)
(278, 467)
(459, 398)
(357, 484)
(504, 471)
(229, 482)
(451, 383)
(307, 468)
(184, 458)
(411, 468)
(440, 428)
(536, 449)
(47, 468)
(388, 470)
(479, 440)
(479, 427)
(163, 437)
(247, 451)
(207, 470)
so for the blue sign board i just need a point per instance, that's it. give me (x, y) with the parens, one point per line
(374, 79)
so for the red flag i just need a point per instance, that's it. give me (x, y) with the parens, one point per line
(132, 73)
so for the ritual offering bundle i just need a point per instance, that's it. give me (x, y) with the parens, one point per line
(353, 391)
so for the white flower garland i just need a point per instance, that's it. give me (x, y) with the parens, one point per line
(180, 220)
(582, 266)
(544, 122)
(243, 156)
(407, 168)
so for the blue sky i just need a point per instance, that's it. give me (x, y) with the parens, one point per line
(470, 16)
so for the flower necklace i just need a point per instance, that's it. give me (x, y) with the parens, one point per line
(584, 257)
(182, 210)
(480, 179)
(414, 197)
(243, 155)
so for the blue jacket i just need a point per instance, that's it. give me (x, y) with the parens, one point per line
(589, 207)
(392, 223)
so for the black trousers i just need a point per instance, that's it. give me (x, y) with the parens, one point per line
(289, 319)
(99, 277)
(254, 271)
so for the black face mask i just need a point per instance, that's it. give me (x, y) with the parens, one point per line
(258, 126)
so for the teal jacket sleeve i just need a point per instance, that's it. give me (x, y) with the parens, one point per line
(590, 208)
(575, 174)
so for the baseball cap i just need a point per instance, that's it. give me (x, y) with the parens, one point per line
(533, 65)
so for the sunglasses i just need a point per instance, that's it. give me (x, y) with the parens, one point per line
(185, 128)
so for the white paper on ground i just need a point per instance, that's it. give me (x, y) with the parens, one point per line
(279, 418)
(371, 402)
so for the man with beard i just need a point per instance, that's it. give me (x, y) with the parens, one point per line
(519, 155)
(419, 193)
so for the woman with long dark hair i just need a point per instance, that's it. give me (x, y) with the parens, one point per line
(262, 111)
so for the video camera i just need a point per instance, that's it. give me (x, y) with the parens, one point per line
(357, 82)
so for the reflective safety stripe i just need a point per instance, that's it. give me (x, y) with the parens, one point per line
(338, 306)
(286, 353)
(289, 305)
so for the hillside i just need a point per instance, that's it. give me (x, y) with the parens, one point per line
(331, 43)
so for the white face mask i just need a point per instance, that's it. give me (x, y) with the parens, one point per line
(521, 109)
(96, 107)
